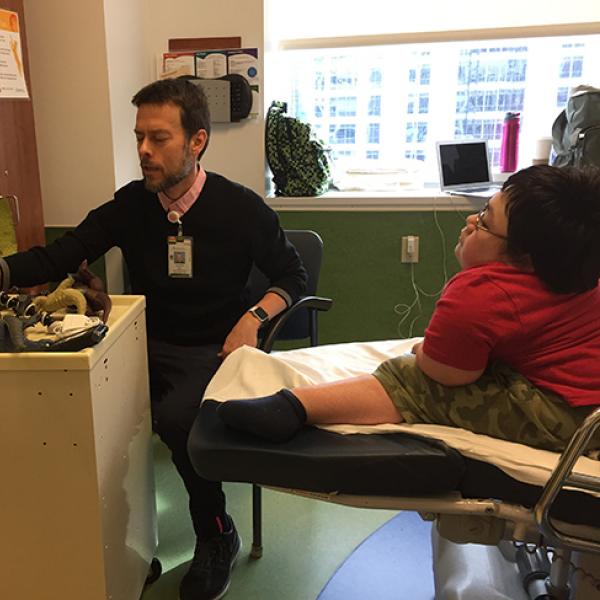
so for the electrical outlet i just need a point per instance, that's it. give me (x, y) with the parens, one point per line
(410, 249)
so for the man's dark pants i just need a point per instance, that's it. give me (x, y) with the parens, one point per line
(178, 378)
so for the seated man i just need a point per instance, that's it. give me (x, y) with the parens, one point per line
(190, 238)
(513, 347)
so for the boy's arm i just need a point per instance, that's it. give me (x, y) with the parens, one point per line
(442, 373)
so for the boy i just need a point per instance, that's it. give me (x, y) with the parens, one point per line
(513, 347)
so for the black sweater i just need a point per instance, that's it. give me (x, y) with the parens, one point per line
(231, 227)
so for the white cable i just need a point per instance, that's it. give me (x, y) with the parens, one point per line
(405, 310)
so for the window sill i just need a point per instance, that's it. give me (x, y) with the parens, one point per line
(408, 200)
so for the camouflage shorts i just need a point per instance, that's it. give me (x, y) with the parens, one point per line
(501, 403)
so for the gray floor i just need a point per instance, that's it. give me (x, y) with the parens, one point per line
(304, 540)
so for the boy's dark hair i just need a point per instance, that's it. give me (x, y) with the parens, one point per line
(190, 98)
(554, 219)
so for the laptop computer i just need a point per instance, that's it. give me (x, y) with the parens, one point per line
(465, 168)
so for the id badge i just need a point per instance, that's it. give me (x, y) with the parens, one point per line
(179, 253)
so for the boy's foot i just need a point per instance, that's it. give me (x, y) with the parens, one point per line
(209, 574)
(276, 418)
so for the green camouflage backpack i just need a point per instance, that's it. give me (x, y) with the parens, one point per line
(299, 162)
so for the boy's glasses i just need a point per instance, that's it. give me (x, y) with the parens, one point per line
(479, 224)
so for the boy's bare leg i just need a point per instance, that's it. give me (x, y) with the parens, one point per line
(280, 416)
(359, 400)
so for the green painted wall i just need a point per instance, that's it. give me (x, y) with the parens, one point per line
(362, 271)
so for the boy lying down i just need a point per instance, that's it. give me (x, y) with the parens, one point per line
(513, 347)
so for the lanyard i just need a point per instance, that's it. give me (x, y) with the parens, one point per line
(174, 217)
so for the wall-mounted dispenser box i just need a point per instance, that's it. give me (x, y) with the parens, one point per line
(229, 97)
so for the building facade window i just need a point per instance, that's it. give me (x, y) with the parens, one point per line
(376, 78)
(374, 106)
(373, 133)
(562, 95)
(342, 134)
(342, 106)
(572, 64)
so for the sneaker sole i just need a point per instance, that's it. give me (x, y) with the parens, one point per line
(233, 561)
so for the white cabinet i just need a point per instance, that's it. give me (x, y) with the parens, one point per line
(77, 505)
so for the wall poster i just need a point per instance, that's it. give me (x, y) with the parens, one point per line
(12, 73)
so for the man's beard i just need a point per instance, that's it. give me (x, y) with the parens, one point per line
(173, 178)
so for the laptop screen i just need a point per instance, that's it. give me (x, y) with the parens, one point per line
(463, 163)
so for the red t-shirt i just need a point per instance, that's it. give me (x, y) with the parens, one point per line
(496, 312)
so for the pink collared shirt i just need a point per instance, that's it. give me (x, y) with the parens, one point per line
(185, 202)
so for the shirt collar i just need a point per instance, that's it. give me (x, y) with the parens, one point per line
(185, 202)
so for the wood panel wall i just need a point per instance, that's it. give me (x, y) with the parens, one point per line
(19, 169)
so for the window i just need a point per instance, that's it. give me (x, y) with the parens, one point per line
(416, 132)
(375, 78)
(572, 63)
(373, 133)
(414, 155)
(412, 86)
(374, 106)
(562, 95)
(344, 106)
(340, 77)
(478, 81)
(342, 134)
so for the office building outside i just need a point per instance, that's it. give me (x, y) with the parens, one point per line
(383, 106)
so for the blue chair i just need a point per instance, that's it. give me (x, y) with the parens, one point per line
(299, 322)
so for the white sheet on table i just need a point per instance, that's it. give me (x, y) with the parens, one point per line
(248, 373)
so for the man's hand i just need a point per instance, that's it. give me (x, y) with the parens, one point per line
(244, 333)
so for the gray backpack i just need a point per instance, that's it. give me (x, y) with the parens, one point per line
(576, 131)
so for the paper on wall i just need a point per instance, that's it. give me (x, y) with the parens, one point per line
(176, 64)
(12, 72)
(211, 64)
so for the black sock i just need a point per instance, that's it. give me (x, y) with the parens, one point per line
(210, 527)
(276, 418)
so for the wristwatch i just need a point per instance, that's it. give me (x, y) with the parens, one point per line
(259, 313)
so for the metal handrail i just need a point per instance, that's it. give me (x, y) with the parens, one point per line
(562, 477)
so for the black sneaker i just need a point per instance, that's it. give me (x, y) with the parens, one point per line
(209, 574)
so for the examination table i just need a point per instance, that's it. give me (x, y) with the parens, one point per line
(530, 517)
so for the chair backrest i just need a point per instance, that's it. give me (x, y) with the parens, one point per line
(309, 246)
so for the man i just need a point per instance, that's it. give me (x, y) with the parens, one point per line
(189, 239)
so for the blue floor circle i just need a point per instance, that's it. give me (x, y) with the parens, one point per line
(393, 563)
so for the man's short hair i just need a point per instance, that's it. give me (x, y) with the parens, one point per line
(554, 219)
(190, 98)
